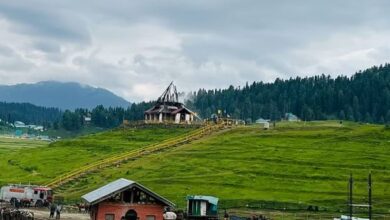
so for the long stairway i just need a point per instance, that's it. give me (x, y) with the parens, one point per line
(120, 157)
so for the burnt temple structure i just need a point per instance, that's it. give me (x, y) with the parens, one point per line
(168, 109)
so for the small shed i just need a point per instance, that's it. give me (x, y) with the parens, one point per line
(291, 117)
(263, 122)
(202, 207)
(19, 124)
(125, 199)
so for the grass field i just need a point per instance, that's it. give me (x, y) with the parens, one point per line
(52, 133)
(287, 168)
(290, 167)
(37, 162)
(8, 145)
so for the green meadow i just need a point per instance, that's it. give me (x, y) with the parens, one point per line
(290, 167)
(28, 161)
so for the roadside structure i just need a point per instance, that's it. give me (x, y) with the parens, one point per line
(202, 207)
(19, 124)
(291, 117)
(168, 109)
(263, 123)
(126, 200)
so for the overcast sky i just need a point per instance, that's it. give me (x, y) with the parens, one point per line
(135, 48)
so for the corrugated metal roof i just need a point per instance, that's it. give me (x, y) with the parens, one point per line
(117, 186)
(106, 190)
(211, 199)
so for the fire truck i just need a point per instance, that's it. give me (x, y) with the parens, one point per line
(26, 195)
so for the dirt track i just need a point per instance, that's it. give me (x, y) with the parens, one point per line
(44, 214)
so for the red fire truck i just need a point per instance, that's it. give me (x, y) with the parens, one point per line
(26, 195)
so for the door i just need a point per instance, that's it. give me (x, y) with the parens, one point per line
(131, 215)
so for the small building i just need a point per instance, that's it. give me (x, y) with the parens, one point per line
(202, 207)
(168, 109)
(263, 123)
(126, 200)
(291, 117)
(19, 124)
(36, 127)
(87, 119)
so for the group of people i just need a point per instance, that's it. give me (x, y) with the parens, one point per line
(55, 209)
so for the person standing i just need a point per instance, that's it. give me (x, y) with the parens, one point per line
(58, 211)
(52, 210)
(226, 215)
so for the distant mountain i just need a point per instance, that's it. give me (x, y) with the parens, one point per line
(61, 95)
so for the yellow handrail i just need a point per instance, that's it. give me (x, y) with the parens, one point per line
(62, 179)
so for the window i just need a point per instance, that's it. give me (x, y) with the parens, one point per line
(150, 217)
(127, 196)
(35, 192)
(110, 217)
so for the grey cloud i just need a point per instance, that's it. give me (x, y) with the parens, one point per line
(47, 46)
(6, 51)
(11, 62)
(36, 19)
(208, 44)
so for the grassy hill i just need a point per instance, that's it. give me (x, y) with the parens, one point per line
(290, 167)
(38, 162)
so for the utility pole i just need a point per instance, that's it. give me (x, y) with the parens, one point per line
(350, 197)
(369, 197)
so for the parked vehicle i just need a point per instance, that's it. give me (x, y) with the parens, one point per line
(26, 195)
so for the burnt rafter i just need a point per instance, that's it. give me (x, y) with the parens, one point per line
(170, 95)
(168, 109)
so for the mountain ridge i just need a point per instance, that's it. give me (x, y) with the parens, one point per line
(62, 95)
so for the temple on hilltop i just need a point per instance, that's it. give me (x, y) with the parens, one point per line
(168, 109)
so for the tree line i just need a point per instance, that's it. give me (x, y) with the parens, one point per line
(28, 113)
(363, 97)
(70, 120)
(102, 117)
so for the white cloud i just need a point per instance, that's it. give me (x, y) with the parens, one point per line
(135, 49)
(343, 53)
